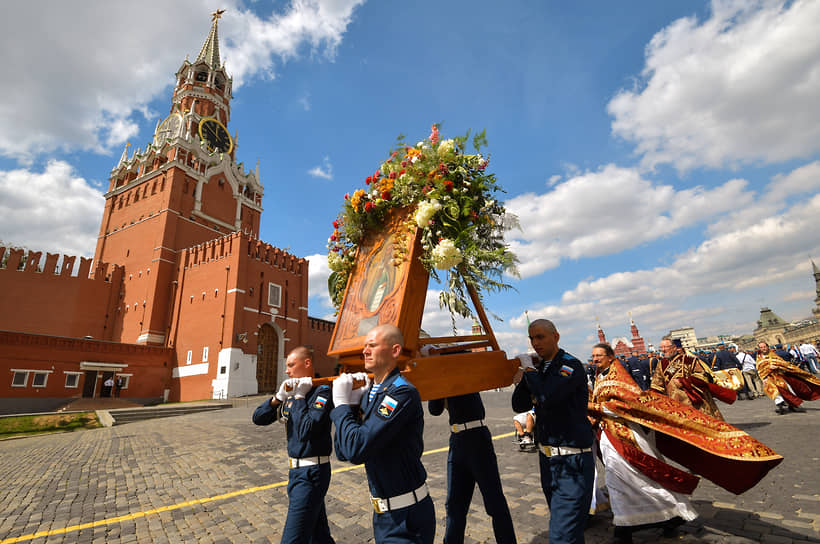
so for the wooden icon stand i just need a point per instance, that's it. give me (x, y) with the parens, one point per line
(388, 284)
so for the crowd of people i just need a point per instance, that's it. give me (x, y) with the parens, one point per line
(604, 432)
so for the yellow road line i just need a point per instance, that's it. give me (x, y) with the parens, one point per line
(145, 513)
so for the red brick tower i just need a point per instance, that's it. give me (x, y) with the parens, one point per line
(183, 189)
(601, 335)
(638, 343)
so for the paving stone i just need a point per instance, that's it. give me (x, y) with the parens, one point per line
(58, 481)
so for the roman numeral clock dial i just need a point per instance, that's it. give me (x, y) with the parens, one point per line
(215, 135)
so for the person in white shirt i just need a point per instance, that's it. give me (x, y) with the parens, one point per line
(810, 354)
(754, 385)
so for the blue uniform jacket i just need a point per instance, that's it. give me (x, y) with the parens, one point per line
(461, 409)
(387, 437)
(558, 390)
(724, 360)
(308, 424)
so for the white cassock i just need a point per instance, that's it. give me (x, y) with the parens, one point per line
(636, 499)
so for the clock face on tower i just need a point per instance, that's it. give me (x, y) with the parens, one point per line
(215, 135)
(168, 129)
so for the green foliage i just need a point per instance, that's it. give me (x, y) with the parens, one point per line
(454, 203)
(46, 423)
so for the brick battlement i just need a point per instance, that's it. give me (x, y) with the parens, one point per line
(31, 265)
(323, 325)
(229, 244)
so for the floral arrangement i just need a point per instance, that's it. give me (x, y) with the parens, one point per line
(462, 223)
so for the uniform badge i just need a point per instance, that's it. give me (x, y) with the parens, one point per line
(319, 403)
(284, 410)
(566, 370)
(387, 406)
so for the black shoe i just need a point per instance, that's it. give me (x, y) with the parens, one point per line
(670, 527)
(796, 409)
(623, 535)
(781, 409)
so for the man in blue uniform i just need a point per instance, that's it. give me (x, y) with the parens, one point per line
(471, 460)
(306, 412)
(387, 437)
(557, 387)
(638, 368)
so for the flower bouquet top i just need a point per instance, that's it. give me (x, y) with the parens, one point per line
(462, 223)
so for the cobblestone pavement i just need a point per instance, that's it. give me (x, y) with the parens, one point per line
(216, 478)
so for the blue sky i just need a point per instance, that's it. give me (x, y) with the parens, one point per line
(662, 157)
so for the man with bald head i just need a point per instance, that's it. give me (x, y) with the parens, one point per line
(556, 386)
(305, 410)
(387, 436)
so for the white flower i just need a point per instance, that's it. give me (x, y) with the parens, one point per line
(482, 162)
(426, 211)
(446, 146)
(446, 255)
(414, 159)
(420, 144)
(335, 262)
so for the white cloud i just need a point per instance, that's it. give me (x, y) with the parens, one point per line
(54, 210)
(325, 171)
(90, 90)
(739, 87)
(318, 272)
(584, 215)
(721, 282)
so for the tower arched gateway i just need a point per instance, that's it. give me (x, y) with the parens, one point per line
(269, 352)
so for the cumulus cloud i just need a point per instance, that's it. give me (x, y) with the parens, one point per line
(739, 87)
(583, 216)
(725, 277)
(53, 210)
(318, 273)
(323, 171)
(89, 91)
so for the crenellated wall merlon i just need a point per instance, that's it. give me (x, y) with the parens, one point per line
(279, 258)
(29, 263)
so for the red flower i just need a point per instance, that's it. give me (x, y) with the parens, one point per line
(377, 174)
(368, 206)
(347, 196)
(448, 185)
(333, 238)
(426, 189)
(403, 164)
(336, 249)
(386, 195)
(335, 224)
(368, 180)
(402, 172)
(392, 175)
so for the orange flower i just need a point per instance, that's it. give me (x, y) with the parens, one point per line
(356, 199)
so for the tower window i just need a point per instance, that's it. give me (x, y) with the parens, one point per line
(202, 76)
(274, 295)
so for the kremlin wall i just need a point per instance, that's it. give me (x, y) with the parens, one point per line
(181, 301)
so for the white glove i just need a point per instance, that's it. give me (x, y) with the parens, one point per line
(357, 394)
(342, 388)
(283, 393)
(526, 361)
(301, 386)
